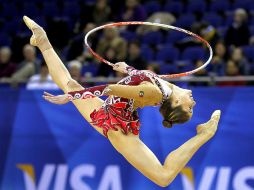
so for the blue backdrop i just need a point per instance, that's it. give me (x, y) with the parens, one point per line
(46, 146)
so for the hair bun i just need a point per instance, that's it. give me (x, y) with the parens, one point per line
(167, 123)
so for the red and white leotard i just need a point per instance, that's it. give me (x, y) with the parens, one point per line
(117, 112)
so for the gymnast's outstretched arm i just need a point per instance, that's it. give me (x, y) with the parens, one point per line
(144, 94)
(143, 159)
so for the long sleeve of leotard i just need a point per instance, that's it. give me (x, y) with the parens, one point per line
(91, 92)
(145, 92)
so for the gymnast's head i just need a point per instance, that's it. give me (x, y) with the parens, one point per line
(178, 108)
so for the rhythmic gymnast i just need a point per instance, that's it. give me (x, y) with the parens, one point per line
(116, 118)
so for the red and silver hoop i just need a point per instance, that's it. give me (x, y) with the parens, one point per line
(151, 24)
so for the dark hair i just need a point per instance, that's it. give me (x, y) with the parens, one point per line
(172, 114)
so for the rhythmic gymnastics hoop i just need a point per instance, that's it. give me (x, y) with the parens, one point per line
(151, 24)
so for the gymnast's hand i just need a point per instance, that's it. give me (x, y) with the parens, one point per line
(120, 67)
(209, 128)
(59, 99)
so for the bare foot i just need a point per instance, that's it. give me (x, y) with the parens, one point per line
(209, 128)
(39, 37)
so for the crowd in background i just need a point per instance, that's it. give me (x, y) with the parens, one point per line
(228, 29)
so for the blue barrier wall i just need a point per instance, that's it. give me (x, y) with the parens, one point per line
(46, 146)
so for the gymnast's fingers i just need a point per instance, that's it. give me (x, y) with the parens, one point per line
(48, 94)
(57, 99)
(48, 99)
(53, 98)
(53, 101)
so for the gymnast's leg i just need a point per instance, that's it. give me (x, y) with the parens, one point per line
(58, 71)
(143, 159)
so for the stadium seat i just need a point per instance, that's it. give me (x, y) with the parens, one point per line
(219, 6)
(50, 9)
(175, 7)
(167, 53)
(184, 65)
(5, 40)
(251, 30)
(252, 69)
(174, 37)
(251, 8)
(195, 6)
(168, 68)
(222, 31)
(30, 9)
(248, 52)
(152, 38)
(152, 7)
(193, 53)
(147, 53)
(251, 20)
(128, 35)
(9, 10)
(71, 8)
(41, 20)
(185, 21)
(245, 4)
(90, 68)
(229, 19)
(213, 18)
(89, 2)
(11, 26)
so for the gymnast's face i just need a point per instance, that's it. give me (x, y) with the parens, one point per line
(185, 100)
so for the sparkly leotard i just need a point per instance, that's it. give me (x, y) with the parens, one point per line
(117, 112)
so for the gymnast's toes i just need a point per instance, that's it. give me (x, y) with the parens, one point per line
(30, 23)
(39, 36)
(209, 128)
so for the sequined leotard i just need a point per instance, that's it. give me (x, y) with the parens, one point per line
(117, 112)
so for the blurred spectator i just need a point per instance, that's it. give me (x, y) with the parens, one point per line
(134, 57)
(187, 41)
(154, 67)
(219, 59)
(105, 70)
(133, 11)
(76, 46)
(209, 33)
(59, 31)
(27, 67)
(111, 39)
(42, 80)
(220, 53)
(241, 62)
(75, 68)
(232, 70)
(108, 43)
(158, 17)
(238, 33)
(29, 53)
(201, 73)
(7, 68)
(101, 12)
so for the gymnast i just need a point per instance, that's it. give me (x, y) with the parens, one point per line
(116, 118)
